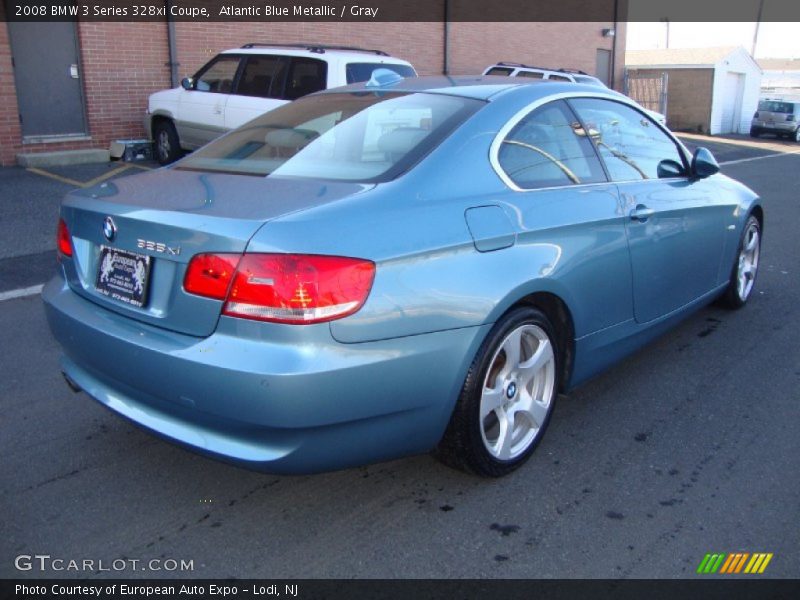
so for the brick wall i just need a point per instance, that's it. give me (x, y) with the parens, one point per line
(474, 46)
(124, 62)
(10, 131)
(419, 43)
(121, 64)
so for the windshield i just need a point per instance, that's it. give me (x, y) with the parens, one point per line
(360, 136)
(776, 107)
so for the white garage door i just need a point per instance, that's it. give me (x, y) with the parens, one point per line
(732, 91)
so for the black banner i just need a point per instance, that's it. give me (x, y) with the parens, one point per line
(606, 11)
(734, 588)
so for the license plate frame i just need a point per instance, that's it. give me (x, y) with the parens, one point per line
(123, 276)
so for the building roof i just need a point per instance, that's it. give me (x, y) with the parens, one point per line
(779, 64)
(695, 57)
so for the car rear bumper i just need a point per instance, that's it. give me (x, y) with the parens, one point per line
(265, 402)
(777, 127)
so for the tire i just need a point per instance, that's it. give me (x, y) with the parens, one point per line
(796, 135)
(745, 267)
(755, 132)
(166, 144)
(479, 445)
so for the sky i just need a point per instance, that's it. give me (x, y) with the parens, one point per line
(775, 40)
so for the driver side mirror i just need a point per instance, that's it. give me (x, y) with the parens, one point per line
(704, 164)
(187, 83)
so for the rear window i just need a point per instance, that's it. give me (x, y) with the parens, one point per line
(361, 136)
(357, 72)
(776, 107)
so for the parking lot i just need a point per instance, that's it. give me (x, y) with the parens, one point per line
(688, 447)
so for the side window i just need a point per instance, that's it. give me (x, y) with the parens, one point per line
(263, 76)
(552, 77)
(306, 76)
(632, 146)
(547, 148)
(531, 74)
(499, 71)
(217, 77)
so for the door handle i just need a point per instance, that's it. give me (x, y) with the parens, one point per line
(641, 213)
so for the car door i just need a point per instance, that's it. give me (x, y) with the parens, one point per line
(201, 110)
(675, 224)
(260, 88)
(568, 218)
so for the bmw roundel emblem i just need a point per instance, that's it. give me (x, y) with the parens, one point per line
(109, 228)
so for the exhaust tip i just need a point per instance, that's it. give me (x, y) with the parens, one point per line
(72, 385)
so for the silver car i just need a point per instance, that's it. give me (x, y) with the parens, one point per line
(778, 117)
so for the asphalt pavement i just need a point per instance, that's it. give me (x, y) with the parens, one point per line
(688, 447)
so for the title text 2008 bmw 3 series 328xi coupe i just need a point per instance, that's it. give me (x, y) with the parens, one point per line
(392, 268)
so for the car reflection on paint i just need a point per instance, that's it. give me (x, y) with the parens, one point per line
(395, 267)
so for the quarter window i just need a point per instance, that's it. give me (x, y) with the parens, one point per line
(218, 76)
(363, 71)
(547, 148)
(631, 145)
(499, 71)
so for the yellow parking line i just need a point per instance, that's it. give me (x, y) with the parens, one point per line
(75, 182)
(143, 167)
(44, 173)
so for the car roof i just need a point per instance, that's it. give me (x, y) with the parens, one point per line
(366, 56)
(479, 87)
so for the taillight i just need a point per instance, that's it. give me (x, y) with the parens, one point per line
(210, 275)
(284, 288)
(63, 239)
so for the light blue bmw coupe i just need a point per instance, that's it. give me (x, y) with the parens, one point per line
(392, 268)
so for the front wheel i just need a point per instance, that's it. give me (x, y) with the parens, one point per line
(745, 269)
(796, 135)
(507, 398)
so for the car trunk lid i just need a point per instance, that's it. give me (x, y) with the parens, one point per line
(134, 237)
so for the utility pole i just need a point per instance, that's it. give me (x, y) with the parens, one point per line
(758, 24)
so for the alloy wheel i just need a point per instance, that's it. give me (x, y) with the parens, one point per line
(517, 392)
(748, 262)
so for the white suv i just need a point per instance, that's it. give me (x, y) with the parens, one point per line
(519, 70)
(240, 84)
